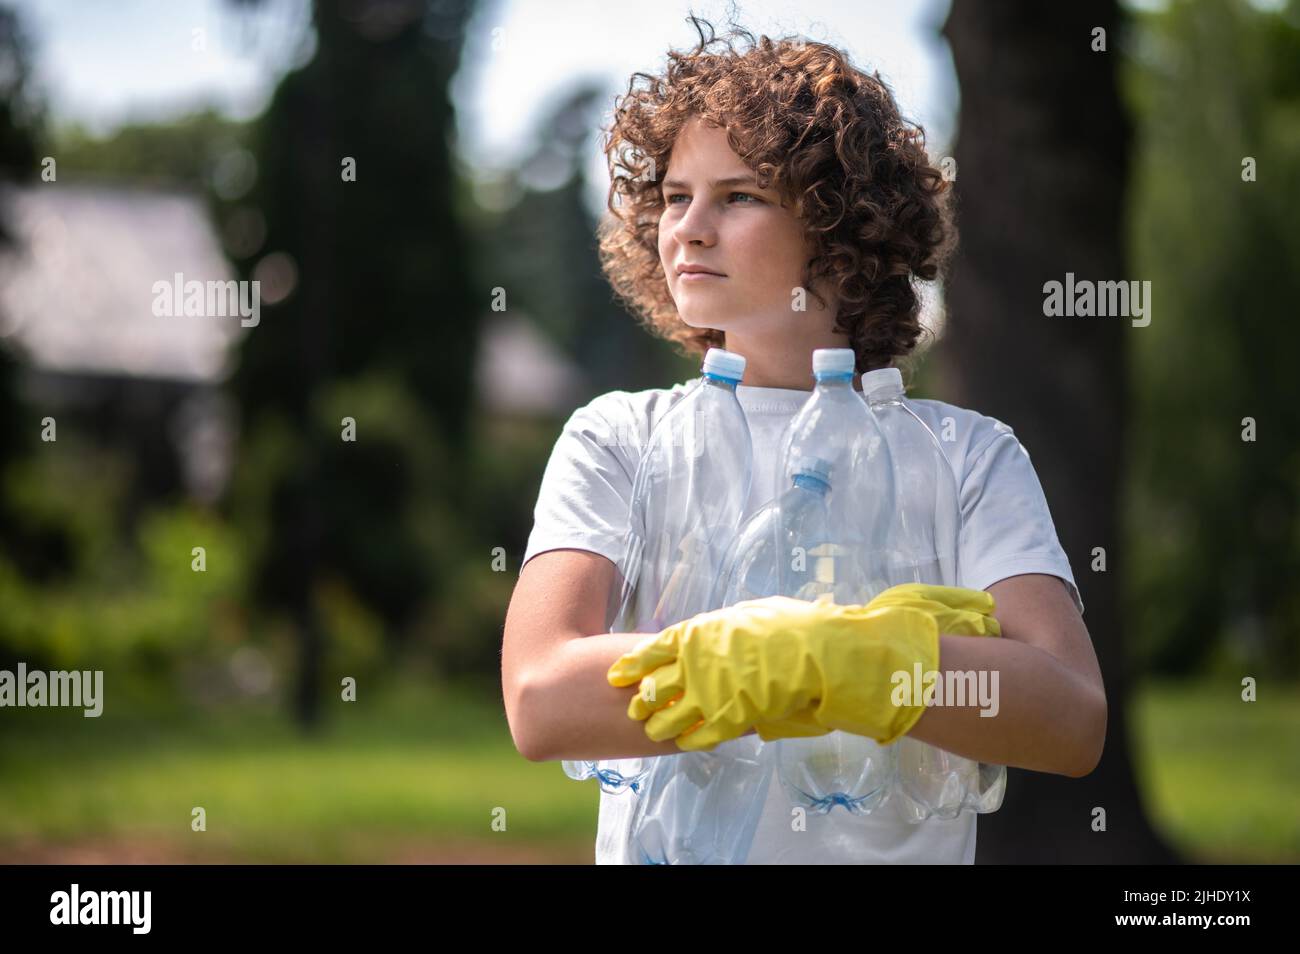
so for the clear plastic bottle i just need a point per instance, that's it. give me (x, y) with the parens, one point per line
(831, 541)
(788, 548)
(688, 496)
(923, 539)
(613, 775)
(702, 808)
(926, 520)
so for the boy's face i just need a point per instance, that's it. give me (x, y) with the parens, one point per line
(736, 229)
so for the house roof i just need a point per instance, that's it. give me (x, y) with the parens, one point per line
(77, 295)
(77, 283)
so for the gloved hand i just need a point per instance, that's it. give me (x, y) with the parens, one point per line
(792, 667)
(956, 610)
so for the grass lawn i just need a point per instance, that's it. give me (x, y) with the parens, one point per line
(411, 777)
(1221, 776)
(420, 776)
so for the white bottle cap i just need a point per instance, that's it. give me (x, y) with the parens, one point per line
(725, 364)
(882, 383)
(833, 361)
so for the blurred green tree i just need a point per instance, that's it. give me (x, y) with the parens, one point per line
(370, 314)
(31, 548)
(1213, 518)
(184, 152)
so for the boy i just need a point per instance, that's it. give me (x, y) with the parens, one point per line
(751, 184)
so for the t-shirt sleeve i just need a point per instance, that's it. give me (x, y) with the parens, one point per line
(1007, 528)
(586, 489)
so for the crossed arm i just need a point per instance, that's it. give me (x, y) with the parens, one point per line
(1051, 704)
(1051, 713)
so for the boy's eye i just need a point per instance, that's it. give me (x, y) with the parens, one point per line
(743, 195)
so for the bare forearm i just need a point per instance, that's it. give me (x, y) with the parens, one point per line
(1047, 718)
(575, 712)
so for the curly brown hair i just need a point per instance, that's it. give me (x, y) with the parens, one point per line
(830, 138)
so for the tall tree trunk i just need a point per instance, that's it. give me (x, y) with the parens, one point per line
(1042, 161)
(383, 291)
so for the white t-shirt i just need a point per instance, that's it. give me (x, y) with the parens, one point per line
(1007, 530)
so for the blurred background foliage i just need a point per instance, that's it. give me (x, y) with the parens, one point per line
(375, 558)
(1212, 522)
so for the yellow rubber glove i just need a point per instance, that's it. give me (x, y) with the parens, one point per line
(957, 611)
(760, 662)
